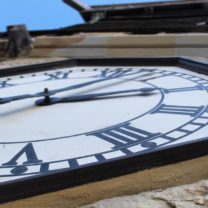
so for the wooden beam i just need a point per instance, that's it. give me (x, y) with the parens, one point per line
(153, 10)
(77, 4)
(149, 4)
(152, 26)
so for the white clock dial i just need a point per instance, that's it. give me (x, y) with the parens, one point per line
(139, 109)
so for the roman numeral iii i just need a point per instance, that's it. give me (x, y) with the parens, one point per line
(124, 135)
(180, 110)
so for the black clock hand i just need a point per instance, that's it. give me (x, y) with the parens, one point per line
(78, 98)
(52, 92)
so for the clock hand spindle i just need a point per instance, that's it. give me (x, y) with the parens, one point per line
(79, 98)
(47, 96)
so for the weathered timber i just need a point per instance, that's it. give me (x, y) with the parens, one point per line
(77, 4)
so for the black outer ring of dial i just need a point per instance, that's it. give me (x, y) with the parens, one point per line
(54, 181)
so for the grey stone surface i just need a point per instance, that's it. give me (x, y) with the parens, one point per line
(186, 196)
(5, 63)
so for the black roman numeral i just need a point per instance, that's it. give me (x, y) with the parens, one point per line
(182, 89)
(4, 84)
(158, 75)
(108, 73)
(124, 135)
(57, 76)
(31, 158)
(180, 110)
(120, 72)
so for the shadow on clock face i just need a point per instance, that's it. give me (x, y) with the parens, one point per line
(32, 123)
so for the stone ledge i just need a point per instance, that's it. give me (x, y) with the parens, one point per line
(150, 179)
(26, 61)
(187, 196)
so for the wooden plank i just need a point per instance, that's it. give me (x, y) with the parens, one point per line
(169, 25)
(150, 10)
(152, 4)
(158, 15)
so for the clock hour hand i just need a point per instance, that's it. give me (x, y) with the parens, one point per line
(21, 97)
(78, 98)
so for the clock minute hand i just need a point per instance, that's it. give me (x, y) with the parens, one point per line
(51, 92)
(79, 98)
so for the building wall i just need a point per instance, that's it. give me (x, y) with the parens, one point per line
(121, 45)
(117, 45)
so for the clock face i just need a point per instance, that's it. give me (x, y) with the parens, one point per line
(129, 110)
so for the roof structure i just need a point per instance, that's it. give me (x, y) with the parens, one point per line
(143, 18)
(137, 18)
(131, 20)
